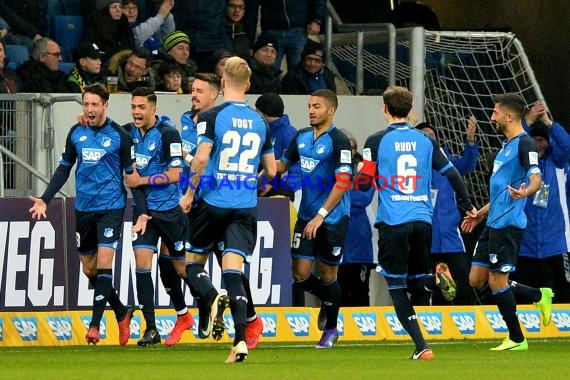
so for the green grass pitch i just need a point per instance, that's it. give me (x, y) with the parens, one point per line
(546, 359)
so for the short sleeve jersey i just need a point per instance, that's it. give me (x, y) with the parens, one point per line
(102, 154)
(405, 157)
(157, 151)
(239, 137)
(321, 160)
(515, 162)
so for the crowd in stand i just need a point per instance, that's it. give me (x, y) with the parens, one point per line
(145, 43)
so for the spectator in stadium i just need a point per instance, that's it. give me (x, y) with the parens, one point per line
(176, 49)
(447, 246)
(169, 78)
(270, 106)
(404, 214)
(41, 72)
(310, 74)
(109, 28)
(204, 22)
(151, 32)
(545, 239)
(27, 20)
(264, 75)
(9, 81)
(515, 177)
(289, 22)
(358, 260)
(87, 68)
(132, 67)
(237, 38)
(219, 59)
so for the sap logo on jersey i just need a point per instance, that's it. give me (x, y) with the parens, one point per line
(86, 319)
(135, 327)
(530, 320)
(394, 323)
(60, 326)
(299, 323)
(366, 323)
(464, 321)
(92, 156)
(229, 322)
(269, 324)
(496, 321)
(561, 319)
(308, 164)
(142, 160)
(164, 324)
(27, 328)
(432, 322)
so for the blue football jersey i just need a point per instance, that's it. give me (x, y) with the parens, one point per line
(157, 151)
(514, 163)
(102, 154)
(239, 137)
(405, 157)
(321, 160)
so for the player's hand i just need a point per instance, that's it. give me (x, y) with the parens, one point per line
(519, 193)
(133, 180)
(82, 119)
(310, 231)
(140, 226)
(471, 129)
(186, 203)
(39, 208)
(471, 220)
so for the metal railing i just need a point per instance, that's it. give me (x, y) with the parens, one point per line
(360, 31)
(27, 141)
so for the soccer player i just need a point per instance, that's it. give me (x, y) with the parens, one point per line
(325, 156)
(399, 160)
(515, 176)
(158, 152)
(102, 150)
(205, 90)
(232, 140)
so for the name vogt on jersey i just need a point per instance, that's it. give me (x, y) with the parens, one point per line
(242, 123)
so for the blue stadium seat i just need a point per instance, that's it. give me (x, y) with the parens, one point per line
(17, 54)
(66, 67)
(67, 31)
(71, 7)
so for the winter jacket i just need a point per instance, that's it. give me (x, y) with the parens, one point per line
(446, 237)
(26, 17)
(203, 21)
(152, 32)
(37, 77)
(78, 79)
(238, 42)
(282, 132)
(281, 15)
(296, 81)
(111, 36)
(263, 79)
(547, 232)
(10, 83)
